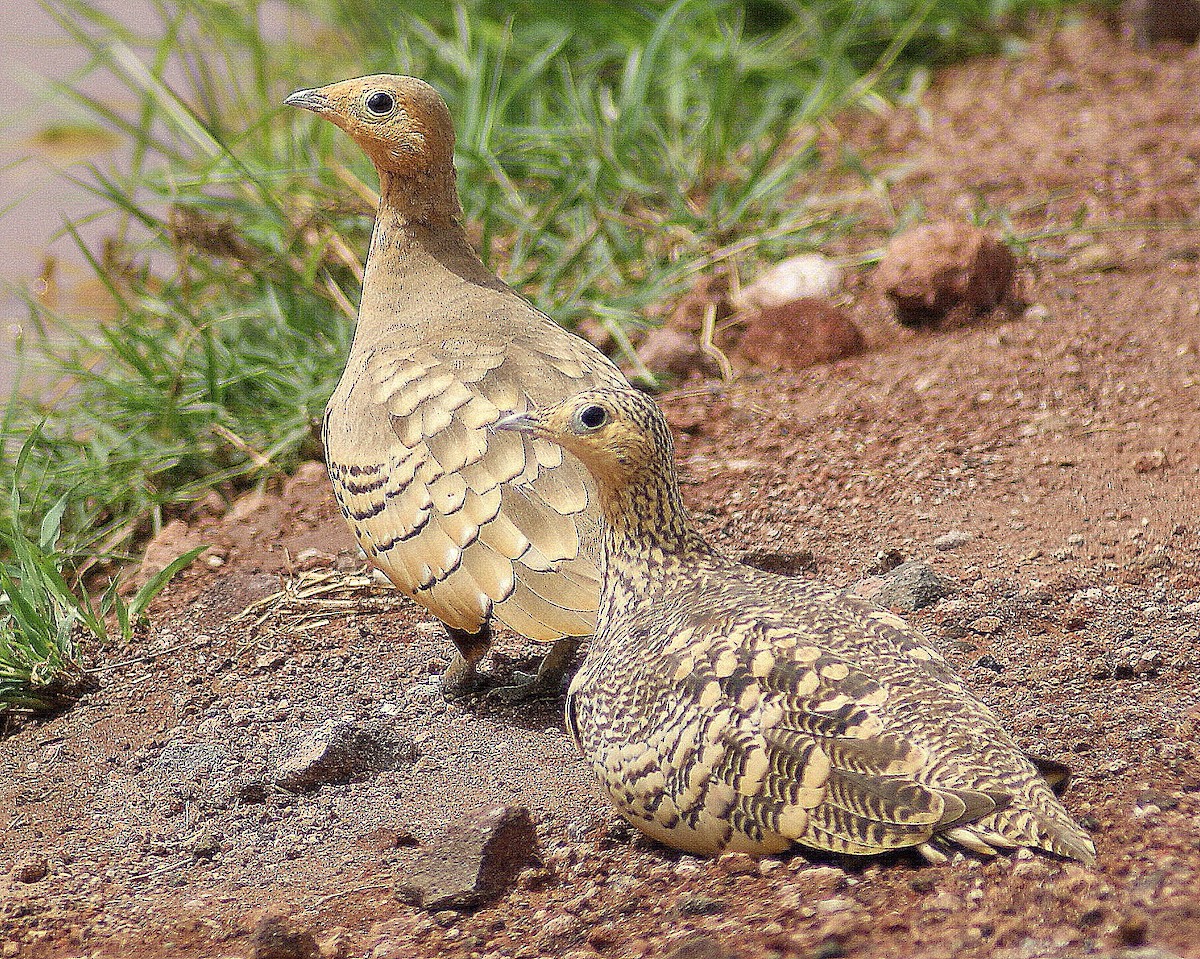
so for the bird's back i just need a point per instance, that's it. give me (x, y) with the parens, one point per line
(727, 708)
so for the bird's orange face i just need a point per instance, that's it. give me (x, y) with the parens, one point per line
(401, 123)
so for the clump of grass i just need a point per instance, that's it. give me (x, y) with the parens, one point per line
(607, 152)
(43, 617)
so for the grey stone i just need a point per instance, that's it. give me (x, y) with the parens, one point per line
(911, 586)
(477, 860)
(339, 752)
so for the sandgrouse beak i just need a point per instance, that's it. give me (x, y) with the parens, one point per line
(519, 423)
(313, 100)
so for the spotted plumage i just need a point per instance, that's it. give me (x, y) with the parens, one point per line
(473, 525)
(725, 708)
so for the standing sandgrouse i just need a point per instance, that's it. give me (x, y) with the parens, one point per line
(471, 524)
(724, 708)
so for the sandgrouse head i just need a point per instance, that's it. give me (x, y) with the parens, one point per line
(401, 123)
(619, 435)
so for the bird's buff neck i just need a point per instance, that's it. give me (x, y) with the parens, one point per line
(419, 243)
(645, 516)
(419, 198)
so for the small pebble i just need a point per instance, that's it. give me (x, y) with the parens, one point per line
(1096, 258)
(943, 902)
(560, 927)
(809, 274)
(952, 540)
(737, 863)
(985, 625)
(30, 869)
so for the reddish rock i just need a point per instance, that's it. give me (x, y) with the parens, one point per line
(800, 334)
(945, 273)
(1155, 20)
(475, 862)
(276, 938)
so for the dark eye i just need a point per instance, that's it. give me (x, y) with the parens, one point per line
(593, 417)
(380, 103)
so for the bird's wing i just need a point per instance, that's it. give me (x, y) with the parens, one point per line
(468, 521)
(796, 745)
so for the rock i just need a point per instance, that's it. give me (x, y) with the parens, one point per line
(674, 353)
(826, 877)
(943, 902)
(30, 869)
(693, 904)
(799, 334)
(1148, 663)
(737, 863)
(1156, 797)
(338, 752)
(1132, 928)
(275, 938)
(828, 907)
(952, 540)
(985, 625)
(807, 275)
(1095, 258)
(945, 273)
(477, 860)
(909, 587)
(988, 661)
(250, 791)
(831, 947)
(885, 561)
(1149, 461)
(203, 845)
(560, 928)
(1155, 20)
(701, 947)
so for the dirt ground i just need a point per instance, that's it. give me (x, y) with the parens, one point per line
(1062, 439)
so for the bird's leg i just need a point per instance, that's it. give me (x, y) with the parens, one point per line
(461, 676)
(548, 679)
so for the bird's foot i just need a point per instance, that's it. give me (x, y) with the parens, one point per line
(526, 687)
(461, 678)
(546, 683)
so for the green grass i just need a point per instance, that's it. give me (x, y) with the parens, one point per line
(43, 618)
(608, 153)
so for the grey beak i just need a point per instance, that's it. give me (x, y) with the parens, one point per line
(518, 423)
(313, 100)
